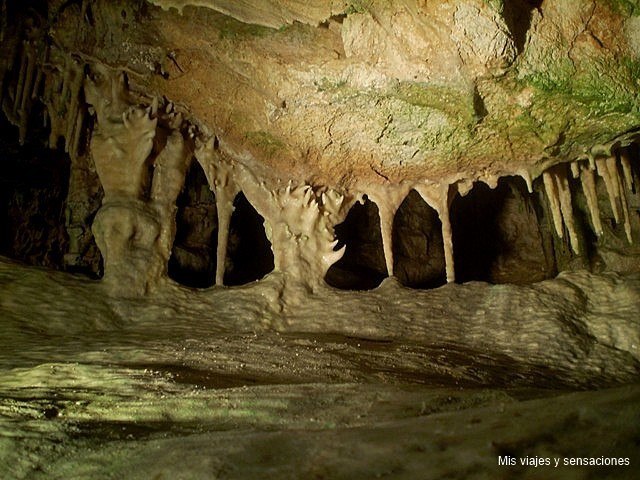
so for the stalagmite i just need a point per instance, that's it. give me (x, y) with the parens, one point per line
(609, 175)
(438, 196)
(588, 180)
(388, 199)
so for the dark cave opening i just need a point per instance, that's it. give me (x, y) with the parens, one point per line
(418, 249)
(34, 182)
(497, 237)
(362, 266)
(517, 15)
(193, 257)
(249, 254)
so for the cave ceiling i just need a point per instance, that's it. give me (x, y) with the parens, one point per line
(345, 93)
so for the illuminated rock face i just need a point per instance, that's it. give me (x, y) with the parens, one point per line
(361, 213)
(308, 111)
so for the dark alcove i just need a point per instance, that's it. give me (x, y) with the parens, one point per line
(418, 250)
(496, 235)
(362, 267)
(34, 181)
(249, 254)
(193, 258)
(517, 15)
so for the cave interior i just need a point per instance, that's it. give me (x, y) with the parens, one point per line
(353, 239)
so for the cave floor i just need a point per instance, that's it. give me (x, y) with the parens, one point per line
(95, 387)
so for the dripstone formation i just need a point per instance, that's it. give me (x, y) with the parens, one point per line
(282, 238)
(309, 110)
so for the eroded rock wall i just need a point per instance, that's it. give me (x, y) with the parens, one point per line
(308, 119)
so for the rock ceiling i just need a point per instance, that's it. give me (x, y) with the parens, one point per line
(306, 109)
(344, 92)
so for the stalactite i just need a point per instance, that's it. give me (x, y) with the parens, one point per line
(554, 201)
(608, 170)
(526, 176)
(588, 180)
(611, 183)
(225, 211)
(438, 197)
(558, 191)
(74, 142)
(625, 160)
(566, 208)
(3, 21)
(617, 192)
(73, 110)
(388, 199)
(24, 89)
(226, 191)
(17, 99)
(625, 211)
(221, 177)
(40, 74)
(575, 169)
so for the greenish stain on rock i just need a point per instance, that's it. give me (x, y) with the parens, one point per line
(358, 6)
(264, 141)
(624, 7)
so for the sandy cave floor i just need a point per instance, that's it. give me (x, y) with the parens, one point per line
(391, 383)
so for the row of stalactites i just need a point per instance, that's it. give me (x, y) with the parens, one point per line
(616, 174)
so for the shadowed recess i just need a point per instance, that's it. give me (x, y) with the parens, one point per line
(193, 258)
(418, 250)
(249, 255)
(496, 235)
(34, 181)
(362, 267)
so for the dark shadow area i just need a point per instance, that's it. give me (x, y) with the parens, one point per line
(517, 15)
(496, 236)
(249, 254)
(362, 267)
(477, 240)
(418, 249)
(34, 181)
(193, 257)
(15, 7)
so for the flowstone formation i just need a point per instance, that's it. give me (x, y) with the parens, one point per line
(308, 110)
(284, 196)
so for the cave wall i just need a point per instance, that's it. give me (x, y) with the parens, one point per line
(127, 190)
